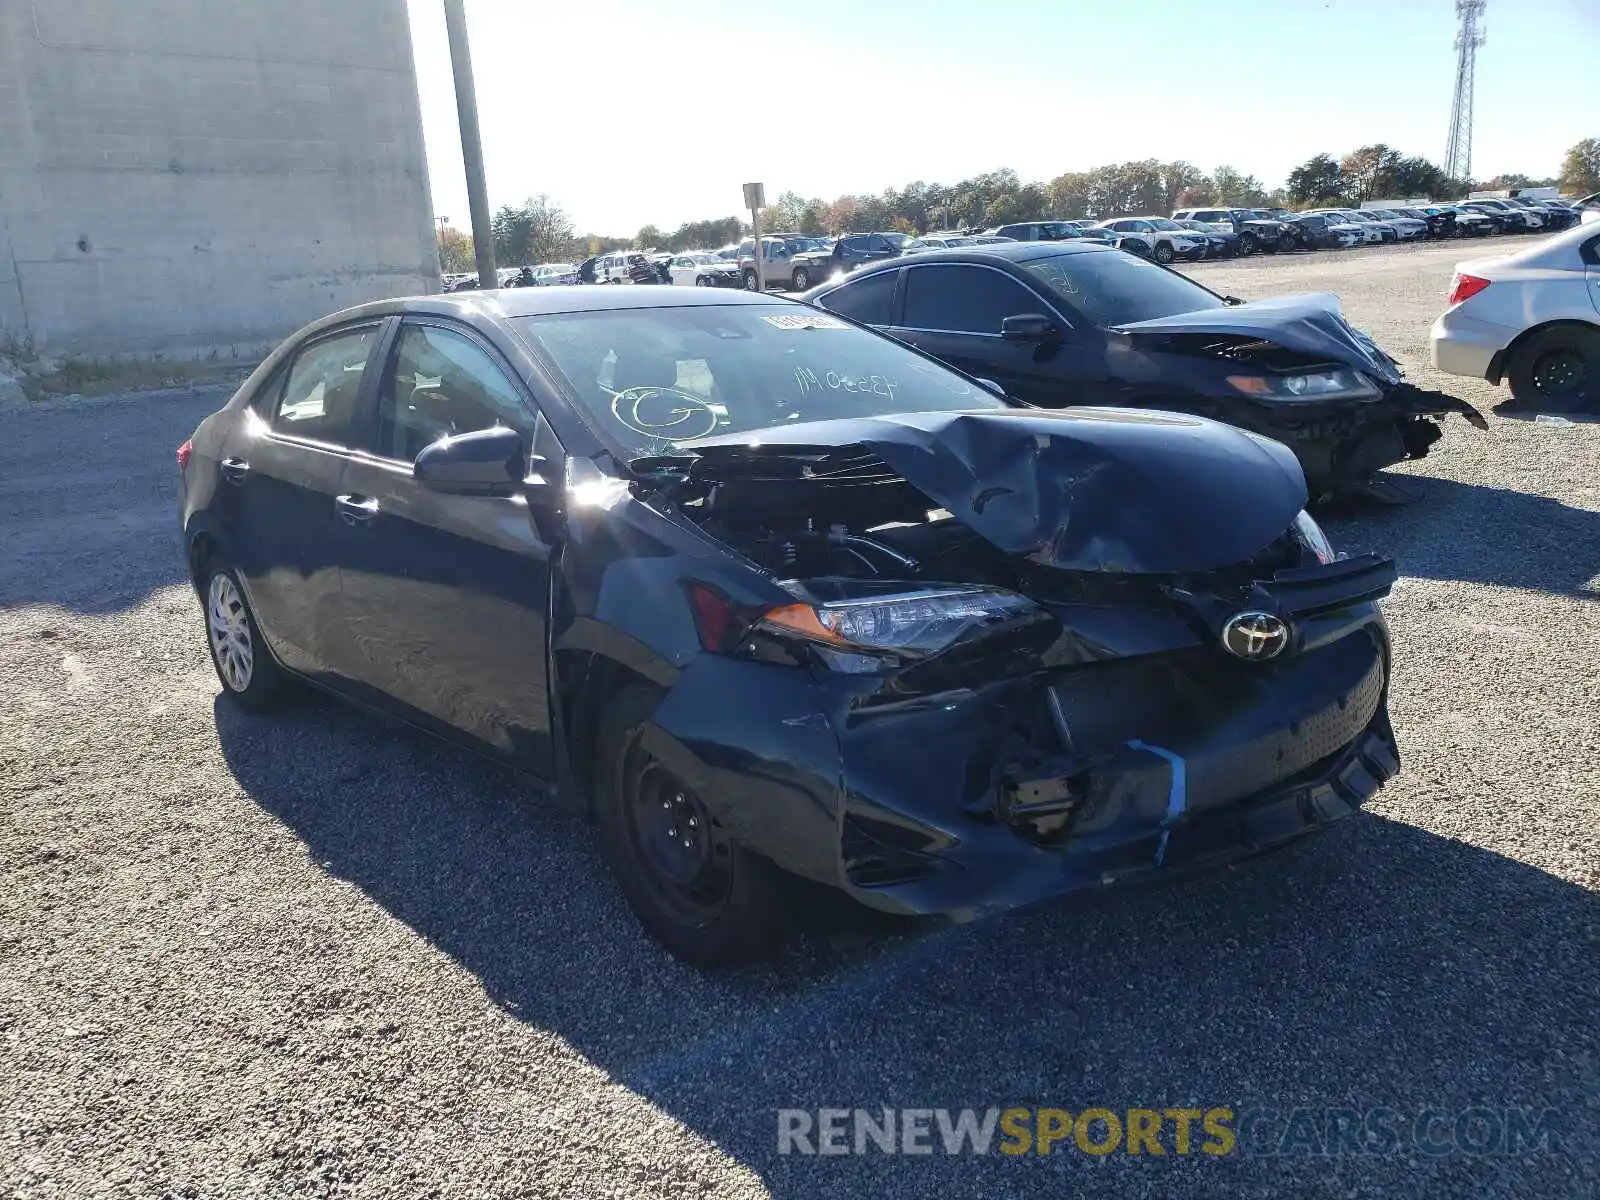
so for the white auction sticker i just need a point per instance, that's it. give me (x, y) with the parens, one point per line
(803, 321)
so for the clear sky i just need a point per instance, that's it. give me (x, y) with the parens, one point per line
(630, 112)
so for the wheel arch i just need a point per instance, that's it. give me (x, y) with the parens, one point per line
(586, 681)
(1499, 363)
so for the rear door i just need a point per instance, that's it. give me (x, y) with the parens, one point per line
(447, 595)
(954, 311)
(1589, 251)
(281, 474)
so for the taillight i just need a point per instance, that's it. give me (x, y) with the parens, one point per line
(184, 451)
(1465, 287)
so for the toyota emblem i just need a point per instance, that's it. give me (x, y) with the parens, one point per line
(1255, 636)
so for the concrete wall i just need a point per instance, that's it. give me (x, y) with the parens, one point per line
(187, 176)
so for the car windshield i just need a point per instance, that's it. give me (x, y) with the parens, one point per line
(650, 379)
(1163, 223)
(1113, 288)
(897, 240)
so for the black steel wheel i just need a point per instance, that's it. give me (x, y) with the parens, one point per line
(1557, 370)
(694, 889)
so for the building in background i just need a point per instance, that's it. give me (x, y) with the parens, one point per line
(190, 177)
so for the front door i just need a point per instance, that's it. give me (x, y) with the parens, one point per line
(448, 595)
(280, 482)
(953, 311)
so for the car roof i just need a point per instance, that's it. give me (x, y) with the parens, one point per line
(983, 253)
(562, 298)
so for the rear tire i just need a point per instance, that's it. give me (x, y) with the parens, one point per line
(245, 667)
(700, 894)
(1557, 371)
(751, 283)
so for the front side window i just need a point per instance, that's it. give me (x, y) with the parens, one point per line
(959, 299)
(1116, 289)
(649, 379)
(442, 383)
(319, 398)
(869, 300)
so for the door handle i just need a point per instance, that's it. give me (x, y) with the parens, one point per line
(356, 510)
(234, 470)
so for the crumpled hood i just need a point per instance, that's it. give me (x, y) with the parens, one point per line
(1084, 489)
(1308, 323)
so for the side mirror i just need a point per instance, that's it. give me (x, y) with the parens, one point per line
(486, 462)
(1029, 327)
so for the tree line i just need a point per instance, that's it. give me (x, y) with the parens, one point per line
(538, 230)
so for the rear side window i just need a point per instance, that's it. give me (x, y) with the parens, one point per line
(319, 399)
(961, 299)
(869, 299)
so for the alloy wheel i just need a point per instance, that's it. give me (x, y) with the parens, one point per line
(229, 627)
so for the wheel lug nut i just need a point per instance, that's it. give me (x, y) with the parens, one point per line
(666, 804)
(691, 822)
(685, 843)
(673, 831)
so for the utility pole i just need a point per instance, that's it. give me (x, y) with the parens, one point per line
(1458, 152)
(455, 21)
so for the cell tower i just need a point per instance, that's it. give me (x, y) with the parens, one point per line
(1458, 155)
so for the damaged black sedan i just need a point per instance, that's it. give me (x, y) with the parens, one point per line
(775, 598)
(1069, 323)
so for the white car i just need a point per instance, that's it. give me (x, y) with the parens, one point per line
(702, 268)
(1588, 209)
(1409, 229)
(1531, 318)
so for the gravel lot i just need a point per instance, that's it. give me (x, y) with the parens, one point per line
(317, 955)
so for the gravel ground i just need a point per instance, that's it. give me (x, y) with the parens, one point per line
(318, 955)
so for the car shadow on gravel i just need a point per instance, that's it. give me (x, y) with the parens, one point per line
(1464, 531)
(1376, 965)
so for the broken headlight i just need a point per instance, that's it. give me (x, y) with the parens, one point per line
(1343, 383)
(1309, 534)
(858, 635)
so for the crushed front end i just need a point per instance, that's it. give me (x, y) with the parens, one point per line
(1049, 650)
(1295, 370)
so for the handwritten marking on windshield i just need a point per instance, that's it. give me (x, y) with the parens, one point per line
(809, 381)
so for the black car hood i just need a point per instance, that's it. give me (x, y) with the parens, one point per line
(1085, 489)
(1311, 324)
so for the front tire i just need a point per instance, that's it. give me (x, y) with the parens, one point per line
(1557, 371)
(1164, 254)
(702, 281)
(1247, 245)
(695, 890)
(244, 666)
(802, 279)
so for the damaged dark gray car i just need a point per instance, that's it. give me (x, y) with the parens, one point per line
(1070, 323)
(775, 599)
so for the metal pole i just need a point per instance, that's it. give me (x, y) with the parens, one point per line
(455, 21)
(761, 259)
